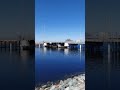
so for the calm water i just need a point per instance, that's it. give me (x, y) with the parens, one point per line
(55, 64)
(103, 70)
(16, 70)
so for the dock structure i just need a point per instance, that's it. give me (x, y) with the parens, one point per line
(60, 44)
(9, 44)
(103, 37)
(15, 44)
(103, 41)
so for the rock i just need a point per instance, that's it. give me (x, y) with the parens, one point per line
(67, 88)
(76, 88)
(70, 83)
(44, 86)
(61, 82)
(41, 89)
(36, 89)
(74, 83)
(52, 88)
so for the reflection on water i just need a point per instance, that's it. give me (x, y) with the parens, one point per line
(66, 51)
(54, 64)
(103, 69)
(44, 50)
(16, 69)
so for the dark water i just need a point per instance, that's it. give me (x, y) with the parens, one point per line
(103, 69)
(16, 70)
(55, 64)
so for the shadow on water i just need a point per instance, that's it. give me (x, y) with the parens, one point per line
(17, 69)
(103, 66)
(53, 64)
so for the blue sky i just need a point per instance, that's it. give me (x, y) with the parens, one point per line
(58, 20)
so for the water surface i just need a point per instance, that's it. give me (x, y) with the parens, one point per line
(55, 64)
(103, 69)
(16, 69)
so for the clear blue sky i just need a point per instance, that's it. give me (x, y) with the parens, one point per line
(58, 20)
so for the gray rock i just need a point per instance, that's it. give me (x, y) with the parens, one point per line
(75, 83)
(53, 87)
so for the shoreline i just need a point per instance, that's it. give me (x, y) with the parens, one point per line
(74, 83)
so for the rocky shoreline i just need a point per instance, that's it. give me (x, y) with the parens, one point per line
(74, 83)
